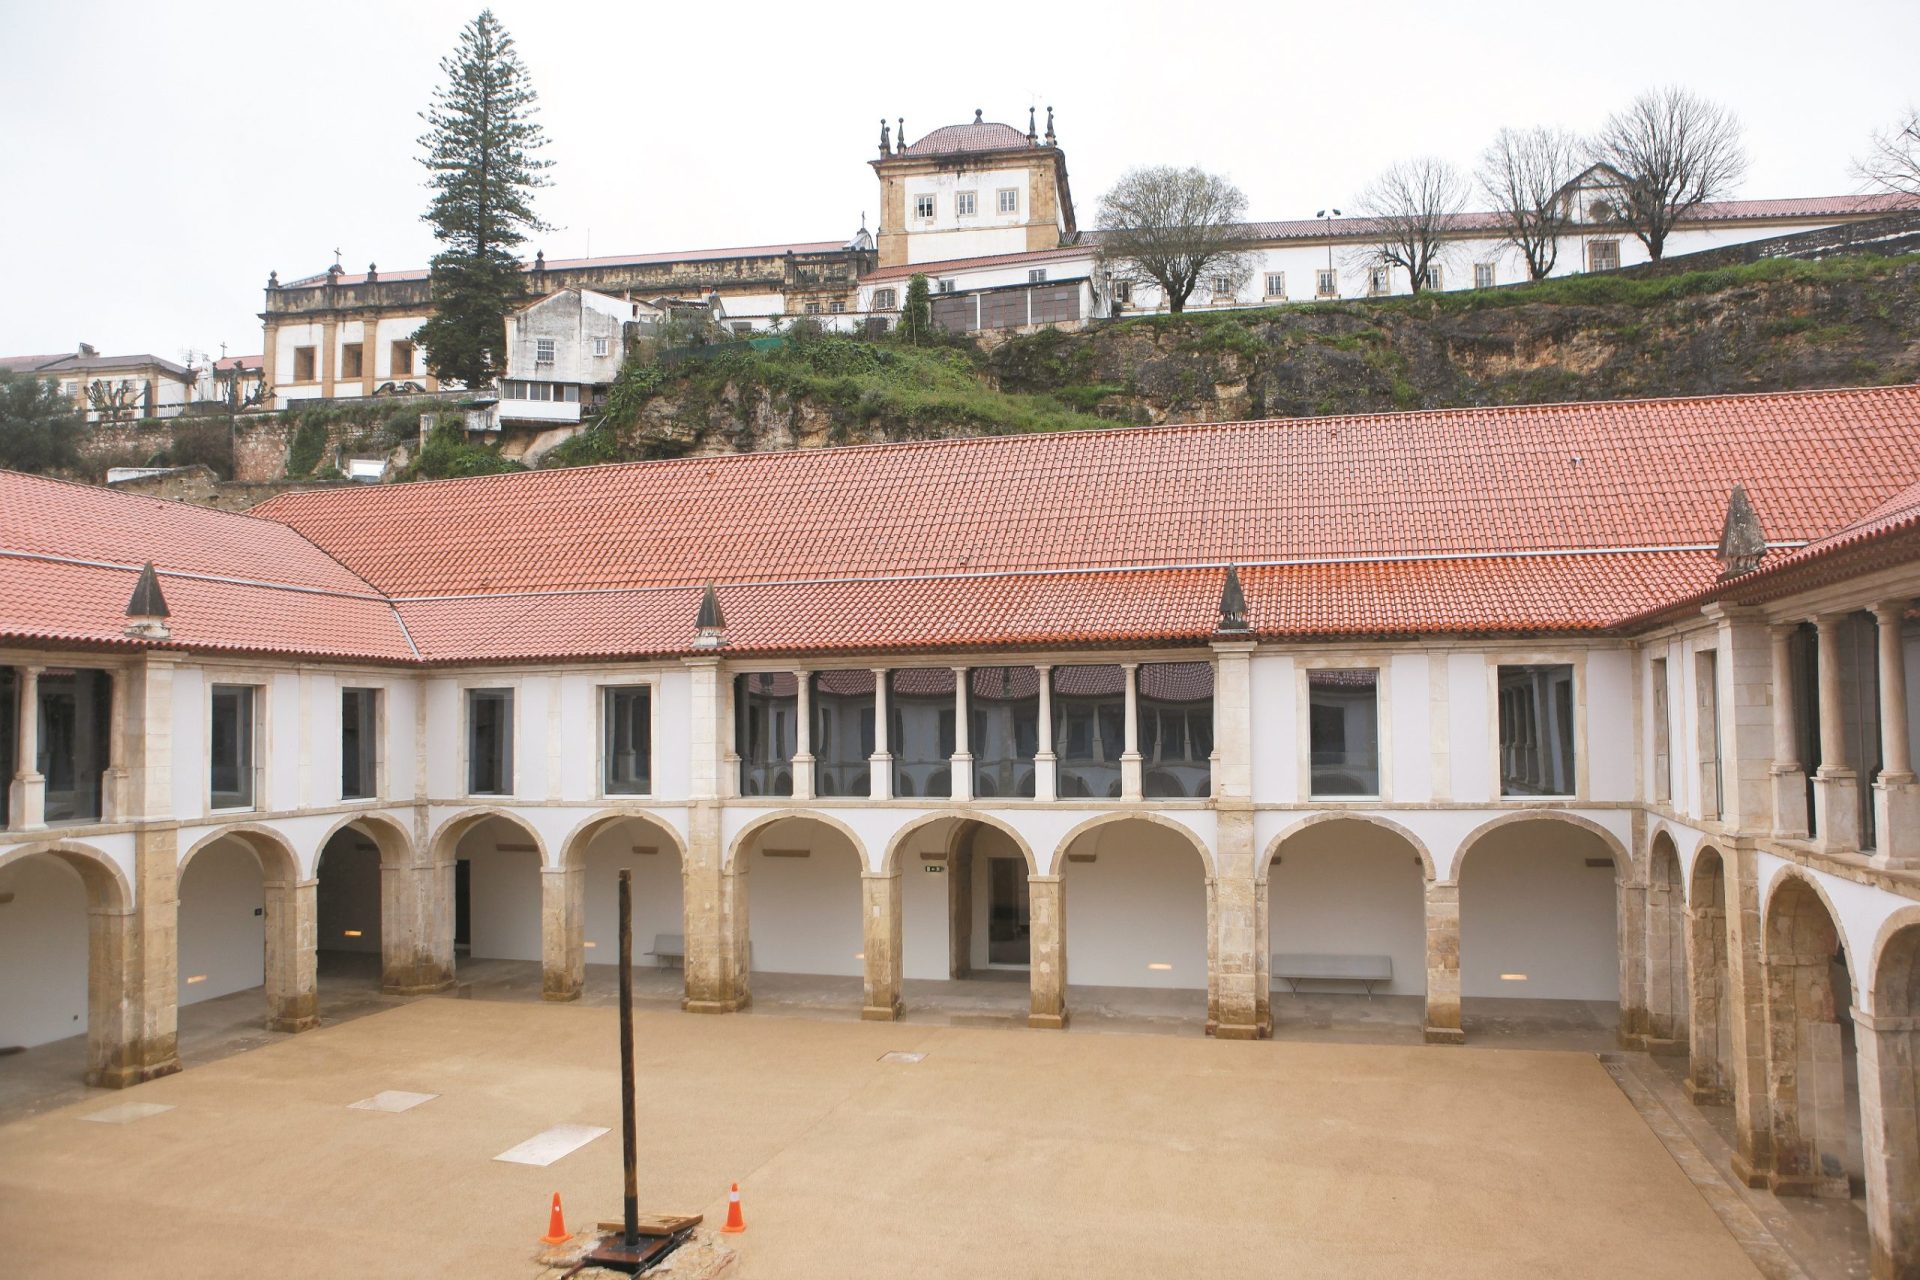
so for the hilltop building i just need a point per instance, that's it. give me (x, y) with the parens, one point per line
(1579, 702)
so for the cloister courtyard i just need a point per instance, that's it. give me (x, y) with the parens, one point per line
(1132, 1145)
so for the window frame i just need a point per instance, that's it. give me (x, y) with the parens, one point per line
(1036, 275)
(925, 207)
(1485, 275)
(358, 353)
(1381, 666)
(965, 204)
(374, 739)
(1379, 281)
(1007, 200)
(885, 300)
(1326, 282)
(651, 686)
(248, 768)
(1577, 665)
(1272, 277)
(602, 347)
(309, 355)
(400, 358)
(1612, 246)
(545, 350)
(468, 695)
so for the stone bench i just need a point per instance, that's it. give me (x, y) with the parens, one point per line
(669, 948)
(1295, 969)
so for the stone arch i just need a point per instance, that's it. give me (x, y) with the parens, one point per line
(761, 823)
(1313, 820)
(1889, 1055)
(389, 836)
(813, 886)
(107, 901)
(896, 845)
(1665, 954)
(447, 836)
(500, 898)
(274, 850)
(1539, 918)
(1710, 1009)
(576, 841)
(1806, 1037)
(287, 929)
(569, 904)
(1111, 819)
(367, 911)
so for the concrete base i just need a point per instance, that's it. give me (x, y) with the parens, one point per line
(715, 1006)
(1807, 1185)
(880, 1013)
(305, 1022)
(1444, 1035)
(1239, 1031)
(1748, 1174)
(1048, 1021)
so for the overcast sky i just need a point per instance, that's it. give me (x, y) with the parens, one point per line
(164, 158)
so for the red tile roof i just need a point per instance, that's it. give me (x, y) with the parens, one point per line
(978, 264)
(1536, 519)
(955, 139)
(614, 260)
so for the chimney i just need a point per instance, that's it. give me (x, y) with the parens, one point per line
(710, 625)
(148, 608)
(1233, 606)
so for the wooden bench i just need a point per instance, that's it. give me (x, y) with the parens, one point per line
(669, 947)
(1295, 969)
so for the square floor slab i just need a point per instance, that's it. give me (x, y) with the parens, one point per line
(126, 1112)
(545, 1148)
(392, 1100)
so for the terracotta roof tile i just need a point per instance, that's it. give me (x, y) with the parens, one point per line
(954, 139)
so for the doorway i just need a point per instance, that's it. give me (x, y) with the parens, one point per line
(1009, 916)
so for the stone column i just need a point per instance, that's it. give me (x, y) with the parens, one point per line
(803, 736)
(880, 920)
(881, 762)
(416, 921)
(1788, 775)
(961, 764)
(1747, 1028)
(1666, 967)
(28, 803)
(1806, 1083)
(1896, 797)
(1047, 910)
(1233, 959)
(715, 912)
(1836, 787)
(1630, 918)
(563, 932)
(1746, 744)
(1130, 755)
(1443, 964)
(292, 944)
(960, 904)
(1888, 1125)
(1706, 979)
(113, 787)
(1046, 778)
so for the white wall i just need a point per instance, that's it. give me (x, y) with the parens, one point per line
(1143, 900)
(503, 893)
(1470, 726)
(656, 891)
(1609, 706)
(223, 927)
(923, 919)
(43, 952)
(804, 913)
(1350, 888)
(1529, 904)
(189, 742)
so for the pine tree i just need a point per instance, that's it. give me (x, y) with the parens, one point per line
(480, 148)
(916, 320)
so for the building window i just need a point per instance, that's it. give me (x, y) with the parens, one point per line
(303, 364)
(963, 204)
(401, 357)
(1379, 280)
(1483, 275)
(943, 286)
(1536, 731)
(1176, 730)
(1123, 291)
(75, 728)
(1662, 733)
(1276, 284)
(843, 727)
(766, 709)
(813, 308)
(1434, 277)
(1003, 729)
(359, 743)
(920, 730)
(1603, 255)
(490, 742)
(543, 350)
(923, 207)
(1707, 690)
(837, 306)
(626, 755)
(1089, 730)
(883, 299)
(1326, 283)
(600, 346)
(1343, 730)
(351, 359)
(1009, 199)
(1038, 275)
(230, 746)
(1223, 289)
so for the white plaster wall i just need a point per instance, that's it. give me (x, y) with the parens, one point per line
(222, 923)
(289, 337)
(347, 896)
(1686, 723)
(394, 329)
(575, 749)
(673, 736)
(1275, 722)
(1350, 888)
(1143, 900)
(189, 742)
(1470, 727)
(43, 952)
(400, 745)
(286, 739)
(1410, 736)
(804, 913)
(923, 919)
(532, 695)
(446, 733)
(656, 891)
(503, 894)
(1608, 725)
(1529, 904)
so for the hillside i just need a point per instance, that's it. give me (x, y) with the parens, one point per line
(1767, 326)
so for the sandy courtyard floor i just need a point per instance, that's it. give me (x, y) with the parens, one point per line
(1007, 1153)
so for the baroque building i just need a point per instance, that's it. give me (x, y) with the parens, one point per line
(1579, 702)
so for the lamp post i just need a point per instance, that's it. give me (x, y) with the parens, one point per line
(1327, 216)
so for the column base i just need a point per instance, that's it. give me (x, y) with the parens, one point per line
(1665, 1048)
(1444, 1035)
(417, 988)
(562, 995)
(1748, 1173)
(1706, 1095)
(1048, 1021)
(880, 1012)
(1239, 1031)
(293, 1025)
(1807, 1184)
(1634, 1040)
(126, 1076)
(1896, 824)
(716, 1006)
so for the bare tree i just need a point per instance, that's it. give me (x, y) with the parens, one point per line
(1673, 151)
(1174, 228)
(1892, 163)
(1412, 207)
(119, 400)
(1524, 174)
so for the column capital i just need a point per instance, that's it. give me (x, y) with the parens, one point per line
(1827, 623)
(1891, 613)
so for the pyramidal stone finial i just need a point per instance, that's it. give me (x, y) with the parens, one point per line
(1233, 604)
(710, 624)
(1743, 544)
(148, 608)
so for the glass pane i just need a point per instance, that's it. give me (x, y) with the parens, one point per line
(921, 728)
(843, 707)
(75, 714)
(230, 751)
(627, 748)
(1536, 730)
(490, 742)
(1089, 729)
(359, 729)
(1343, 731)
(1003, 729)
(1176, 729)
(766, 731)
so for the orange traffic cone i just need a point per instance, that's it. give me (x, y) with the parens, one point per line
(735, 1223)
(556, 1225)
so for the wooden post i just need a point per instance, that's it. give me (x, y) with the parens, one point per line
(631, 1237)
